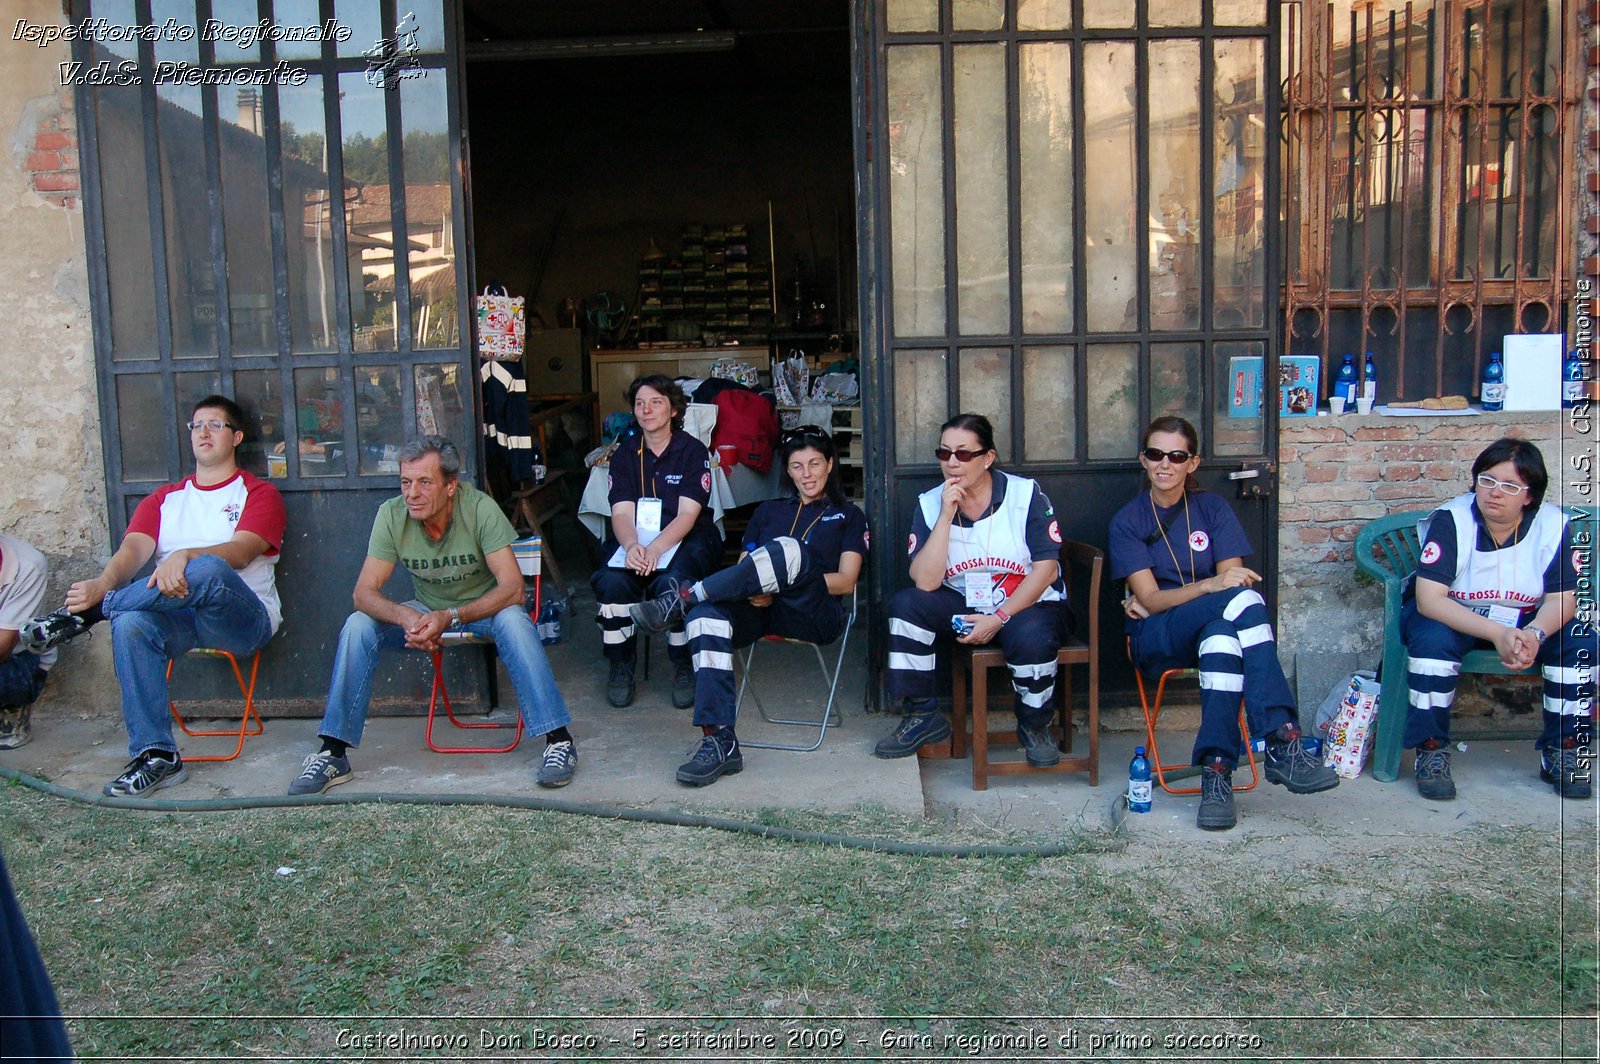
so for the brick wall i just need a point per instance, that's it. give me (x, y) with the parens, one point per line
(51, 164)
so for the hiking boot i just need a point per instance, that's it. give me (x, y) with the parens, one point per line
(1293, 766)
(560, 761)
(322, 770)
(16, 726)
(663, 611)
(914, 730)
(1433, 774)
(683, 686)
(147, 773)
(1039, 746)
(619, 686)
(717, 756)
(1568, 769)
(1216, 798)
(51, 630)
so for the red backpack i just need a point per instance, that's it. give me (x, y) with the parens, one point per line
(747, 422)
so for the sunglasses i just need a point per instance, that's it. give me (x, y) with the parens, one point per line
(944, 454)
(805, 432)
(1154, 455)
(1488, 483)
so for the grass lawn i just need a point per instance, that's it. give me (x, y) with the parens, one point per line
(452, 927)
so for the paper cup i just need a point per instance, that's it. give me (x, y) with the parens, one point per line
(1336, 404)
(1363, 406)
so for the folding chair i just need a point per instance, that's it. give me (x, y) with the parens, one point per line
(830, 677)
(1152, 713)
(1081, 566)
(249, 716)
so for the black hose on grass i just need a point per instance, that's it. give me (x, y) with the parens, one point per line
(553, 805)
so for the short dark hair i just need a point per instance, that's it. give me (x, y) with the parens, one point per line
(422, 446)
(1523, 454)
(976, 424)
(667, 387)
(810, 437)
(233, 415)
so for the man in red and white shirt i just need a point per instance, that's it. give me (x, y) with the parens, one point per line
(215, 538)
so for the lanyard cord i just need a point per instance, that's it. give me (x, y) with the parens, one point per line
(642, 446)
(1516, 539)
(1164, 530)
(826, 506)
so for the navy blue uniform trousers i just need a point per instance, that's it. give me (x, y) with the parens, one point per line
(698, 554)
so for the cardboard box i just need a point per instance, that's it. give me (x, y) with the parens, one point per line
(1299, 385)
(1244, 386)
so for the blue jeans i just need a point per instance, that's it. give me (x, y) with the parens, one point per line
(515, 637)
(148, 629)
(21, 680)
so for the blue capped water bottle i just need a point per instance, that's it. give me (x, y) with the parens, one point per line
(1139, 782)
(1346, 383)
(1493, 392)
(1369, 380)
(1573, 377)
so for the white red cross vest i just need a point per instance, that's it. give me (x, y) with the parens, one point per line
(995, 544)
(1511, 576)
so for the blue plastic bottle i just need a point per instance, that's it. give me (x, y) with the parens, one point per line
(1346, 383)
(1139, 782)
(1369, 379)
(1574, 376)
(1494, 384)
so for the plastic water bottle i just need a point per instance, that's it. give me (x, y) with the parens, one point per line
(1573, 378)
(1494, 384)
(1346, 383)
(539, 469)
(1139, 782)
(1369, 380)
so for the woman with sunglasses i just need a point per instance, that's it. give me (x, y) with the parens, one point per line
(802, 554)
(1192, 604)
(662, 531)
(985, 561)
(1499, 569)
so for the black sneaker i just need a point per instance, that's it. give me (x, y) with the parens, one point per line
(914, 730)
(322, 770)
(683, 686)
(663, 611)
(1292, 766)
(51, 630)
(1568, 769)
(1216, 798)
(147, 773)
(1039, 746)
(560, 762)
(717, 756)
(1433, 774)
(16, 726)
(619, 687)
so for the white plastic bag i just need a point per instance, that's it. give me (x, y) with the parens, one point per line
(1351, 732)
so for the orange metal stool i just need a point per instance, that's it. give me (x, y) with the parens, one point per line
(1151, 713)
(249, 716)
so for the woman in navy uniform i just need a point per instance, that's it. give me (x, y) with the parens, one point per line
(661, 533)
(985, 554)
(802, 555)
(1192, 604)
(1499, 569)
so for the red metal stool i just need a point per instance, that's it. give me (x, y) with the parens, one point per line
(1151, 713)
(249, 716)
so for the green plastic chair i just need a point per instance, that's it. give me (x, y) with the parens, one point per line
(1387, 550)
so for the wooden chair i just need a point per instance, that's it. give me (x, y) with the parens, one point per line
(249, 720)
(1082, 565)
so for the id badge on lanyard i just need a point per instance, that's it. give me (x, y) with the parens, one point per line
(980, 592)
(1506, 615)
(647, 519)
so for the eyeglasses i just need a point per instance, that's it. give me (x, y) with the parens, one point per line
(213, 424)
(1488, 483)
(944, 454)
(805, 432)
(1154, 455)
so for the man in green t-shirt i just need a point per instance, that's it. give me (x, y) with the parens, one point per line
(456, 544)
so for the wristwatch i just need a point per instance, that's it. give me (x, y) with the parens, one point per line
(1005, 618)
(1536, 630)
(455, 617)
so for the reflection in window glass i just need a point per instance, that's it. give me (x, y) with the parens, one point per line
(430, 24)
(319, 417)
(1236, 416)
(307, 224)
(1044, 14)
(430, 215)
(983, 248)
(1108, 14)
(913, 16)
(188, 389)
(141, 426)
(1045, 142)
(118, 14)
(298, 13)
(1175, 381)
(986, 389)
(1110, 187)
(259, 394)
(442, 408)
(191, 291)
(1174, 12)
(362, 18)
(977, 14)
(1113, 399)
(916, 190)
(1239, 253)
(1049, 404)
(168, 46)
(232, 46)
(119, 127)
(380, 429)
(920, 406)
(1239, 12)
(246, 234)
(370, 232)
(1174, 282)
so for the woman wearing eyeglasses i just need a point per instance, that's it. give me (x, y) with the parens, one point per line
(1499, 569)
(985, 561)
(1192, 604)
(802, 553)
